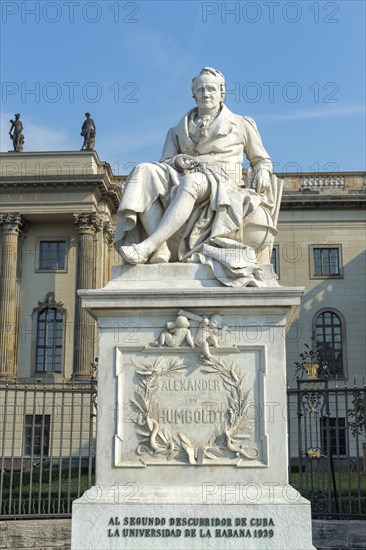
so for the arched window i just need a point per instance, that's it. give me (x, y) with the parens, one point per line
(330, 341)
(49, 342)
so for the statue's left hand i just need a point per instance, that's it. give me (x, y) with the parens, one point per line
(185, 162)
(263, 180)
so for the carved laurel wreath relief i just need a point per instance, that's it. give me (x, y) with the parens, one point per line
(230, 439)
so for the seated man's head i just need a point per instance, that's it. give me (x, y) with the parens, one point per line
(209, 88)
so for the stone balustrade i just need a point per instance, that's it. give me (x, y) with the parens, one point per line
(322, 182)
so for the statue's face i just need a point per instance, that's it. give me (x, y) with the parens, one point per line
(207, 93)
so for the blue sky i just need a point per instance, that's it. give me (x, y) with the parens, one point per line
(297, 68)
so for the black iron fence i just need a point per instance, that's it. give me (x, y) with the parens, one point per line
(47, 447)
(327, 442)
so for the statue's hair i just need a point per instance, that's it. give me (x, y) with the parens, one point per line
(213, 72)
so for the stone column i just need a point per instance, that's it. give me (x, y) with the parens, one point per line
(88, 224)
(12, 225)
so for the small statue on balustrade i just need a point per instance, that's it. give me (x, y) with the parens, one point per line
(88, 130)
(16, 133)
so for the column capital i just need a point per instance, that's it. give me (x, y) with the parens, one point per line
(13, 222)
(88, 222)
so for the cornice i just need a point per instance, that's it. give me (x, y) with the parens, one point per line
(311, 201)
(109, 191)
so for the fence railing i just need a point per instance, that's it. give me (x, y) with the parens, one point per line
(327, 443)
(47, 447)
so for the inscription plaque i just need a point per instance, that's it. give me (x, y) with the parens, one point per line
(190, 527)
(178, 406)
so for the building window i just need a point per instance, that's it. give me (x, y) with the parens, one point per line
(37, 434)
(337, 435)
(329, 331)
(275, 260)
(49, 339)
(52, 255)
(326, 261)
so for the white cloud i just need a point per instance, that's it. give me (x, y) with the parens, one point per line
(322, 112)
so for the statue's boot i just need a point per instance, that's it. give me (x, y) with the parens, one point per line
(138, 254)
(161, 255)
(134, 254)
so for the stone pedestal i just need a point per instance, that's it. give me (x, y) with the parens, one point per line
(192, 430)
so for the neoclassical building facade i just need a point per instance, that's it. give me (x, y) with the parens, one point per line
(321, 246)
(57, 217)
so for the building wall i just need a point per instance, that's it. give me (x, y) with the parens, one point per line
(44, 195)
(34, 287)
(297, 231)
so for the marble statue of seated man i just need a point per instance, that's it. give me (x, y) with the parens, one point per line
(194, 205)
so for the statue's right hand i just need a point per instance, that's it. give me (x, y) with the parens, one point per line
(184, 162)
